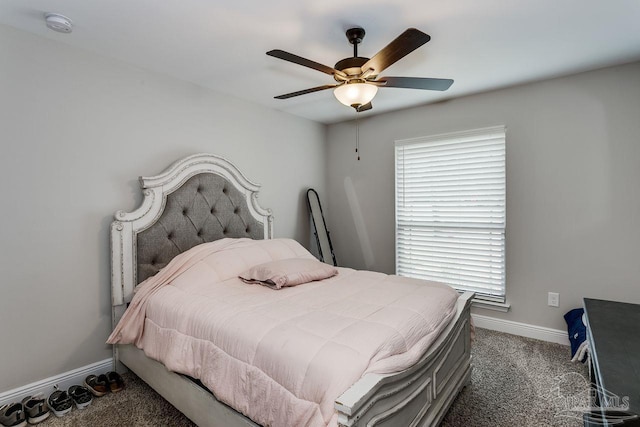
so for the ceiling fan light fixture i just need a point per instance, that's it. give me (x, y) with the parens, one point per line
(358, 77)
(355, 94)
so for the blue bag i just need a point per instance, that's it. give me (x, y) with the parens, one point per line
(576, 328)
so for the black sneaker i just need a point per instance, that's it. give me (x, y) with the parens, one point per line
(81, 396)
(12, 415)
(60, 403)
(36, 408)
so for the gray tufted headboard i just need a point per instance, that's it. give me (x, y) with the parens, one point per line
(198, 199)
(205, 208)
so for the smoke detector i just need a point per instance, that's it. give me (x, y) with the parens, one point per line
(59, 23)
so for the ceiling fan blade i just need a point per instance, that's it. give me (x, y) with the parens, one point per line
(281, 54)
(403, 45)
(416, 83)
(365, 107)
(305, 91)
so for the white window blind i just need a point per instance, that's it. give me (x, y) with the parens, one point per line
(450, 210)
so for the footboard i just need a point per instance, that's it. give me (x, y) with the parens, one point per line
(421, 395)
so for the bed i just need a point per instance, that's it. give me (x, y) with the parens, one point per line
(205, 199)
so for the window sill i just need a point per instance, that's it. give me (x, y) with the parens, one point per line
(489, 305)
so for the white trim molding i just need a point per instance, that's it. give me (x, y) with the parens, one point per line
(63, 381)
(523, 329)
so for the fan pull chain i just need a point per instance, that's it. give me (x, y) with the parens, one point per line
(357, 134)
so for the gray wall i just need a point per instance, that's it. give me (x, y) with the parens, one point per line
(77, 129)
(573, 179)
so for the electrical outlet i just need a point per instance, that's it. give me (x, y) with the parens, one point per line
(553, 299)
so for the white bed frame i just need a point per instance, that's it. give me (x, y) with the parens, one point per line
(419, 396)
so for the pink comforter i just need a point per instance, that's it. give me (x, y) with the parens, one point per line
(281, 357)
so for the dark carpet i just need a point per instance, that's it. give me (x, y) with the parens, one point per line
(516, 381)
(520, 381)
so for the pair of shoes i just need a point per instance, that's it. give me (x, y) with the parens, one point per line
(32, 409)
(13, 415)
(36, 408)
(81, 396)
(97, 385)
(101, 384)
(61, 402)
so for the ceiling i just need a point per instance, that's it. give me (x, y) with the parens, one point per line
(482, 45)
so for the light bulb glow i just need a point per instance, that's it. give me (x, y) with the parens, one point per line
(357, 94)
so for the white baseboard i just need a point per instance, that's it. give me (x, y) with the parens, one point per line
(522, 329)
(64, 381)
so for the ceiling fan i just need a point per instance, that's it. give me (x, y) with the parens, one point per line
(357, 77)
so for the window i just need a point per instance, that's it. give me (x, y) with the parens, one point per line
(450, 210)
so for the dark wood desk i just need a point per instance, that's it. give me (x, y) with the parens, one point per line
(613, 332)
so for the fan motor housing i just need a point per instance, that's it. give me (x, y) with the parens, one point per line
(350, 66)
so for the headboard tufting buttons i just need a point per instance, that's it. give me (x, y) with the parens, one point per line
(184, 220)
